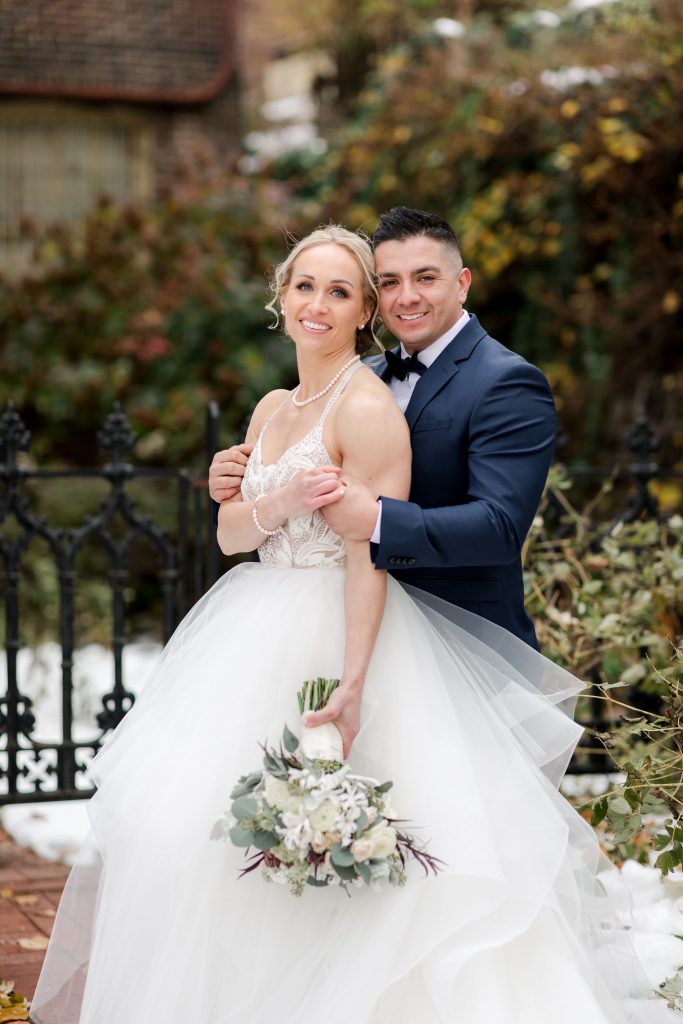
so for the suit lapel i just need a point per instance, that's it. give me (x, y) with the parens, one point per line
(444, 369)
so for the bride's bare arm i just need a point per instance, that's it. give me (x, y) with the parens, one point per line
(372, 436)
(308, 490)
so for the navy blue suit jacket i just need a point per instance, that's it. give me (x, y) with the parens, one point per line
(482, 425)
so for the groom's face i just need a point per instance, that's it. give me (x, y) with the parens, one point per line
(422, 288)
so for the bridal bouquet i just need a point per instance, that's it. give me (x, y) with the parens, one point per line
(311, 821)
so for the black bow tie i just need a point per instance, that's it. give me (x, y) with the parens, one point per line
(400, 368)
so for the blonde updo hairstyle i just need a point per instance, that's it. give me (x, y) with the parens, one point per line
(358, 245)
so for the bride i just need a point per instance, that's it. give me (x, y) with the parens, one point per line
(472, 725)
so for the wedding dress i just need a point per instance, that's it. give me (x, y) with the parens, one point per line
(475, 730)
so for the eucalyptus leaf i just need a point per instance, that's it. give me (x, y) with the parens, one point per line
(364, 872)
(264, 840)
(246, 784)
(241, 836)
(289, 740)
(340, 856)
(244, 807)
(384, 787)
(348, 873)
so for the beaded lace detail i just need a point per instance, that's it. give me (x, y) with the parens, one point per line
(304, 541)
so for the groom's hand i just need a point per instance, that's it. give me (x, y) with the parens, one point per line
(227, 470)
(354, 516)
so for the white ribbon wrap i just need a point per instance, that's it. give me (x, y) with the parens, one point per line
(322, 742)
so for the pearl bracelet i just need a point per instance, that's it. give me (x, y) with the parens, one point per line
(254, 516)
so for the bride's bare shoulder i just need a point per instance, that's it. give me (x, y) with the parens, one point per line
(367, 394)
(368, 405)
(266, 407)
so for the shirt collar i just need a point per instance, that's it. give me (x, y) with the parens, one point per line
(432, 352)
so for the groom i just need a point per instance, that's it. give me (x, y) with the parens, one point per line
(482, 423)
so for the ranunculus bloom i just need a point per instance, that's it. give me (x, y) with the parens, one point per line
(323, 817)
(361, 849)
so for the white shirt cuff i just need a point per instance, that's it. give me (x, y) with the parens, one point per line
(378, 526)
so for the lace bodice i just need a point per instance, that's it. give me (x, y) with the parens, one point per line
(304, 541)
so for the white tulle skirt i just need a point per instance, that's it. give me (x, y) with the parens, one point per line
(475, 730)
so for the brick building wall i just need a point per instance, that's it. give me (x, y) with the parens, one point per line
(114, 97)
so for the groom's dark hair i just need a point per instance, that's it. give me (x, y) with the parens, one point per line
(401, 222)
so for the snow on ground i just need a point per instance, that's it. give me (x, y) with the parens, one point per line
(55, 830)
(39, 676)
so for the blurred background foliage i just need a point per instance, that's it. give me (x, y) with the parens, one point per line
(161, 308)
(549, 138)
(551, 141)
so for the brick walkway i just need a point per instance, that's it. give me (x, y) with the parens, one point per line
(29, 894)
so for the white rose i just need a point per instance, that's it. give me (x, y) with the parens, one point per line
(294, 805)
(383, 840)
(371, 813)
(361, 849)
(388, 809)
(323, 817)
(277, 793)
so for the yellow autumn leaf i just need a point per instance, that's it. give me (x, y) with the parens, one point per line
(570, 108)
(13, 1013)
(671, 302)
(594, 171)
(402, 133)
(668, 494)
(490, 124)
(34, 942)
(610, 125)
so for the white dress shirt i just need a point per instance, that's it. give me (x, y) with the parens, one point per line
(402, 390)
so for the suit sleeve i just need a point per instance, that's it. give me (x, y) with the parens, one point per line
(511, 443)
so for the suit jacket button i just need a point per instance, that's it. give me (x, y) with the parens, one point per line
(411, 561)
(393, 560)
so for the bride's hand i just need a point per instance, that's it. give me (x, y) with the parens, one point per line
(343, 708)
(310, 489)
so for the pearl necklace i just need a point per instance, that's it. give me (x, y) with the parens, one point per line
(314, 398)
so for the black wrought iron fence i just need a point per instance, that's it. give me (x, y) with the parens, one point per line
(188, 563)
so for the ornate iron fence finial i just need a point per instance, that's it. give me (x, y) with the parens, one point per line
(116, 437)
